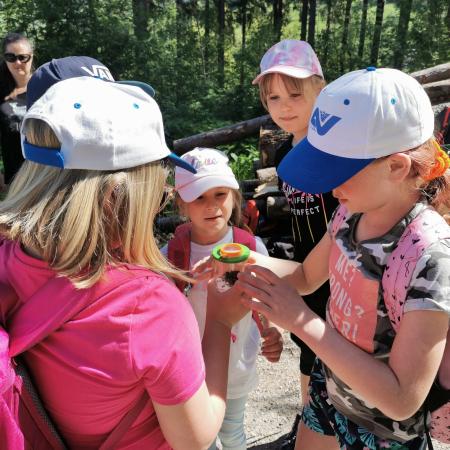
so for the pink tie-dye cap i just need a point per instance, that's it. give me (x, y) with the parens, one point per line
(291, 57)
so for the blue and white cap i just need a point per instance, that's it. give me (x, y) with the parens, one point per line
(362, 116)
(101, 126)
(61, 69)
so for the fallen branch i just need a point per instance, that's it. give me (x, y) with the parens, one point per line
(220, 136)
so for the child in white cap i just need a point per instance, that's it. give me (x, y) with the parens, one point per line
(211, 201)
(289, 82)
(387, 257)
(112, 345)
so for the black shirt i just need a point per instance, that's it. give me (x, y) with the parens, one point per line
(11, 115)
(310, 214)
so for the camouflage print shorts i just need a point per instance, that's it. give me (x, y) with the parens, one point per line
(321, 416)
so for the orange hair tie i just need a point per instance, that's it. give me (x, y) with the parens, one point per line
(441, 164)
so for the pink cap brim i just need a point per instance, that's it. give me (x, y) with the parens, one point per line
(294, 72)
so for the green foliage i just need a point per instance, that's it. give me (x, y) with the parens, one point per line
(166, 43)
(241, 156)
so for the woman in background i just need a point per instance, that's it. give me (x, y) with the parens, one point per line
(15, 72)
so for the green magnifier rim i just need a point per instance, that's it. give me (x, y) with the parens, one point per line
(245, 253)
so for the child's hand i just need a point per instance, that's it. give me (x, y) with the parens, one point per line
(271, 296)
(208, 267)
(224, 307)
(203, 269)
(272, 344)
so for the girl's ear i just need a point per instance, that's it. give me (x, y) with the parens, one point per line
(399, 166)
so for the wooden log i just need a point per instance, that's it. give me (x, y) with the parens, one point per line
(220, 136)
(267, 175)
(270, 137)
(438, 91)
(431, 74)
(249, 185)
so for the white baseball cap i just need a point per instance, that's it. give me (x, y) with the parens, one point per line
(212, 171)
(101, 126)
(362, 116)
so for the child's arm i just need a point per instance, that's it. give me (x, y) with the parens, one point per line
(306, 277)
(399, 388)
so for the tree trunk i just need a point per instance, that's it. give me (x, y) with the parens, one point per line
(362, 31)
(277, 18)
(402, 30)
(327, 33)
(179, 40)
(345, 52)
(244, 30)
(303, 20)
(207, 31)
(141, 14)
(221, 43)
(377, 33)
(312, 22)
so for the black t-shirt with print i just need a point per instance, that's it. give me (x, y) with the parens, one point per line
(310, 214)
(11, 115)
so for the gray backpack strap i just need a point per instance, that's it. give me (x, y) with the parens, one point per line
(125, 423)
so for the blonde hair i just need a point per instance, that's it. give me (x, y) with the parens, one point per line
(437, 190)
(81, 221)
(311, 85)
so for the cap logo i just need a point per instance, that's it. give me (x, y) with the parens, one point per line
(323, 122)
(99, 72)
(197, 162)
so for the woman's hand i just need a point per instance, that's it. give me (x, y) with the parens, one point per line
(271, 296)
(225, 307)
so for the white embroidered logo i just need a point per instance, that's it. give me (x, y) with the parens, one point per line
(99, 72)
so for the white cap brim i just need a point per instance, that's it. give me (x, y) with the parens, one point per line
(294, 72)
(191, 191)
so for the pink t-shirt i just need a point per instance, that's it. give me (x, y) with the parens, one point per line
(141, 335)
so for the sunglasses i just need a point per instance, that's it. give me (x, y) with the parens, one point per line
(11, 57)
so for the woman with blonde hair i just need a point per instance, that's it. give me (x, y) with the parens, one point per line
(77, 228)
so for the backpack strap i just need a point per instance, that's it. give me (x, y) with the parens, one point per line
(125, 423)
(243, 237)
(425, 229)
(339, 217)
(179, 251)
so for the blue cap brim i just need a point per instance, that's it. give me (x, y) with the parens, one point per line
(181, 163)
(53, 157)
(140, 84)
(311, 170)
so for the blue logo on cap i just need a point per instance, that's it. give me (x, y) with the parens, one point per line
(323, 122)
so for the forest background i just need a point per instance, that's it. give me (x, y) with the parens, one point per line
(201, 55)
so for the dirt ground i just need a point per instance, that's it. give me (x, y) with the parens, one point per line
(273, 405)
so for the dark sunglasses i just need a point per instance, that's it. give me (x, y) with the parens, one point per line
(11, 57)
